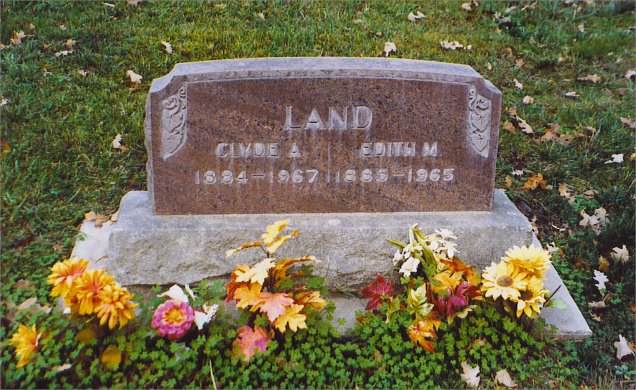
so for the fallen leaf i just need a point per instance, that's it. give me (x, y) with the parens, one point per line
(468, 7)
(503, 378)
(167, 46)
(622, 348)
(111, 357)
(134, 77)
(488, 66)
(82, 72)
(597, 305)
(528, 100)
(534, 182)
(389, 47)
(22, 283)
(261, 15)
(220, 6)
(507, 125)
(518, 85)
(5, 148)
(108, 5)
(590, 78)
(603, 265)
(70, 43)
(31, 26)
(63, 53)
(117, 143)
(630, 123)
(451, 45)
(616, 158)
(524, 126)
(99, 219)
(508, 181)
(62, 27)
(17, 38)
(519, 62)
(31, 305)
(631, 74)
(133, 2)
(596, 318)
(601, 214)
(601, 279)
(470, 374)
(414, 17)
(620, 254)
(63, 367)
(564, 191)
(517, 172)
(571, 95)
(3, 101)
(581, 28)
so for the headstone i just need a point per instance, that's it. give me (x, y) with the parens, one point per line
(321, 135)
(353, 151)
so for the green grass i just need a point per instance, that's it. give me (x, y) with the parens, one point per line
(60, 125)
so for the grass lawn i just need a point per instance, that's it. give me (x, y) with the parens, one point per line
(66, 95)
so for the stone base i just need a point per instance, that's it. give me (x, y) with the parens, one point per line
(143, 250)
(149, 249)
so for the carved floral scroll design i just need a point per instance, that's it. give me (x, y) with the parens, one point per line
(480, 110)
(173, 123)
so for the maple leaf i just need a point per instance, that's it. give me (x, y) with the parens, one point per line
(447, 280)
(292, 319)
(423, 334)
(470, 374)
(564, 191)
(280, 240)
(534, 182)
(248, 296)
(272, 231)
(311, 299)
(601, 278)
(233, 284)
(620, 254)
(456, 265)
(17, 37)
(280, 270)
(134, 77)
(111, 357)
(273, 304)
(250, 340)
(389, 47)
(503, 377)
(230, 252)
(257, 273)
(414, 17)
(622, 347)
(376, 290)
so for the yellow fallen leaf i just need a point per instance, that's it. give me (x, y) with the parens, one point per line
(63, 53)
(414, 17)
(528, 100)
(534, 182)
(134, 77)
(389, 47)
(518, 85)
(603, 265)
(17, 37)
(167, 47)
(111, 357)
(117, 144)
(70, 43)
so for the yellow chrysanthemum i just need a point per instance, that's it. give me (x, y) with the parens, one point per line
(63, 273)
(503, 279)
(531, 299)
(532, 260)
(116, 305)
(26, 342)
(87, 287)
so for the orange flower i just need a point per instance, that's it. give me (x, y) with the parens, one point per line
(115, 306)
(64, 273)
(87, 288)
(26, 342)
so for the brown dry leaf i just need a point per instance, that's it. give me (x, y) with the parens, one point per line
(596, 318)
(31, 26)
(5, 148)
(524, 126)
(503, 377)
(63, 53)
(82, 72)
(533, 225)
(507, 125)
(17, 38)
(528, 100)
(535, 182)
(114, 217)
(117, 144)
(519, 62)
(518, 85)
(70, 43)
(468, 7)
(58, 247)
(620, 254)
(22, 283)
(630, 123)
(552, 134)
(62, 27)
(597, 305)
(564, 191)
(389, 47)
(133, 2)
(590, 194)
(32, 306)
(603, 265)
(134, 77)
(99, 219)
(571, 95)
(590, 78)
(167, 46)
(632, 307)
(415, 17)
(508, 181)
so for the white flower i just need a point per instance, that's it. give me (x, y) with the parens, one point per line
(446, 234)
(433, 245)
(203, 317)
(176, 292)
(451, 249)
(409, 266)
(397, 257)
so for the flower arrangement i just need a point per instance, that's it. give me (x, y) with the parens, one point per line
(436, 285)
(175, 317)
(276, 299)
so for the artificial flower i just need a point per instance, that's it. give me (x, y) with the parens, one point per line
(531, 299)
(26, 342)
(532, 260)
(173, 319)
(63, 273)
(503, 279)
(115, 306)
(409, 267)
(87, 287)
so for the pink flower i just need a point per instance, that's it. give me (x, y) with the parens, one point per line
(173, 319)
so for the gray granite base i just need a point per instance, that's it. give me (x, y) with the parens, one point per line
(142, 249)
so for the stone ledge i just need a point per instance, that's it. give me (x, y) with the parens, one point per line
(146, 249)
